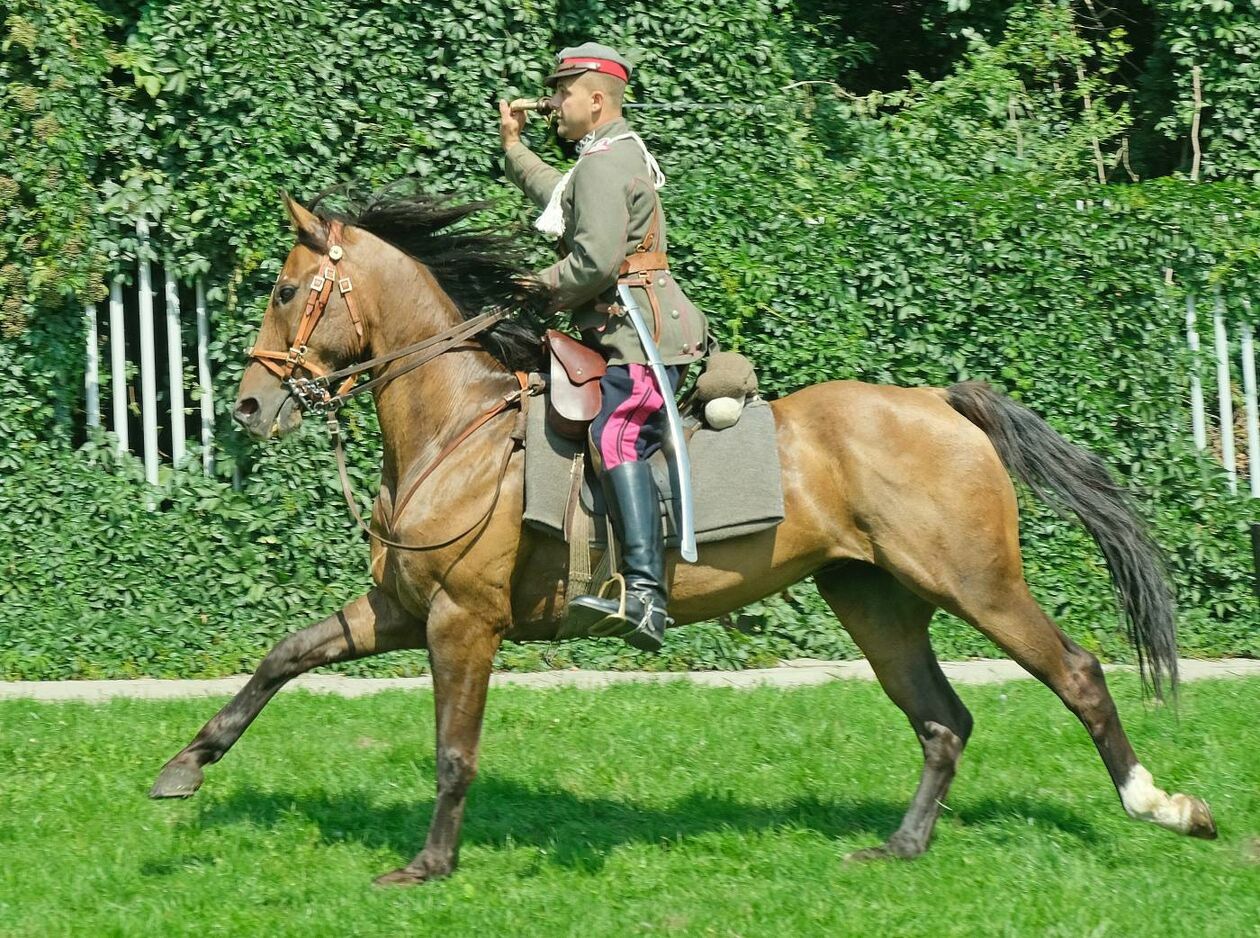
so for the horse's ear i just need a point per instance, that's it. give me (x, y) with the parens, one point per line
(305, 223)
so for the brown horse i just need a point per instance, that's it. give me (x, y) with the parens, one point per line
(898, 502)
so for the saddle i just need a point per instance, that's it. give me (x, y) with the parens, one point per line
(735, 478)
(574, 397)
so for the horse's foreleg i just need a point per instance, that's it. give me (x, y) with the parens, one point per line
(890, 625)
(371, 624)
(462, 645)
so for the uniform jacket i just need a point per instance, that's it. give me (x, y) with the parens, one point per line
(610, 206)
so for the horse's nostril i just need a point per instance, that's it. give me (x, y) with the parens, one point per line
(246, 408)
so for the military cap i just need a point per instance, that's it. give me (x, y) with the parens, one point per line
(590, 57)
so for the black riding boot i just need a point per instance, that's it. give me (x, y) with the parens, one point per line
(634, 508)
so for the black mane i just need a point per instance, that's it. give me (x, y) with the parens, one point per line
(477, 268)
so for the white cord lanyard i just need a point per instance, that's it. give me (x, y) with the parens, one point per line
(551, 221)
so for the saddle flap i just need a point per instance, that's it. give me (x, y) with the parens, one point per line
(735, 473)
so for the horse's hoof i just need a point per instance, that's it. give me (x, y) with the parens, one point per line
(1201, 823)
(411, 876)
(177, 780)
(889, 851)
(868, 854)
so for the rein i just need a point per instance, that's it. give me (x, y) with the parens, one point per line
(515, 439)
(314, 393)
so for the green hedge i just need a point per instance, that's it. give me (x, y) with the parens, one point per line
(1222, 38)
(920, 236)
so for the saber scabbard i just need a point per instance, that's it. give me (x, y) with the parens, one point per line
(679, 461)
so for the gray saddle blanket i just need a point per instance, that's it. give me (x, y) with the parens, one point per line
(735, 478)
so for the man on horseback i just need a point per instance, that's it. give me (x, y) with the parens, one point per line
(606, 213)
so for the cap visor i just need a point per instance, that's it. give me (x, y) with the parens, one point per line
(554, 77)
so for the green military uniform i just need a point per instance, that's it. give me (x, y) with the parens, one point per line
(611, 209)
(611, 227)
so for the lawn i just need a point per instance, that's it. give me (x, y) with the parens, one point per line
(639, 809)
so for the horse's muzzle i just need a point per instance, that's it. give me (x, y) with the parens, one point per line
(264, 420)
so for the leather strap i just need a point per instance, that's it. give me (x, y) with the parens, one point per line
(514, 440)
(644, 262)
(444, 341)
(643, 280)
(284, 364)
(314, 393)
(389, 542)
(450, 447)
(637, 269)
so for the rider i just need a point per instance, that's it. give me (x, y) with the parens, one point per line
(609, 219)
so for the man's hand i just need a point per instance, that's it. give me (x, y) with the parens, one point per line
(511, 123)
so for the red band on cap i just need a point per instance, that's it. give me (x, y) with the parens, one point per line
(607, 66)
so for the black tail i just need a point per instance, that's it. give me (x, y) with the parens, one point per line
(1073, 479)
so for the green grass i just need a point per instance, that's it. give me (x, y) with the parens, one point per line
(635, 810)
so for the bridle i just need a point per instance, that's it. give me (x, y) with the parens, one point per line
(314, 395)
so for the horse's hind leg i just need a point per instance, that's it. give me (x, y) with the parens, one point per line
(890, 625)
(1004, 610)
(369, 625)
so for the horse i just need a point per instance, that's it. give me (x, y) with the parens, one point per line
(897, 501)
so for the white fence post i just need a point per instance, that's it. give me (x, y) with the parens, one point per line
(118, 363)
(203, 377)
(1247, 351)
(1253, 434)
(148, 380)
(175, 366)
(122, 392)
(1197, 421)
(1224, 394)
(92, 371)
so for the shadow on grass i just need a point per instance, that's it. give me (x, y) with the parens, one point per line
(580, 832)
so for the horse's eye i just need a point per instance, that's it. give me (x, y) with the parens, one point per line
(286, 294)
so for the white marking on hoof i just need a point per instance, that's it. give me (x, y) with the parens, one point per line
(1142, 800)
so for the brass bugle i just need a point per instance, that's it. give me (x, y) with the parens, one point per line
(543, 106)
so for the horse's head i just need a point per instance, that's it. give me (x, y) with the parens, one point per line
(393, 272)
(311, 326)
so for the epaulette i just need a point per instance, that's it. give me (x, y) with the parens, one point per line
(599, 146)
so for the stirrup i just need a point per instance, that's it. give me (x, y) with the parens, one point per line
(584, 618)
(598, 619)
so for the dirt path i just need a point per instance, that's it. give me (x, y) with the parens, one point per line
(790, 674)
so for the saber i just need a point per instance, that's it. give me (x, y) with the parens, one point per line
(681, 461)
(546, 106)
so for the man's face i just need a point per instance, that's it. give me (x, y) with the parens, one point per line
(581, 106)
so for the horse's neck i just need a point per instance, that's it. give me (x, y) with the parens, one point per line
(424, 410)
